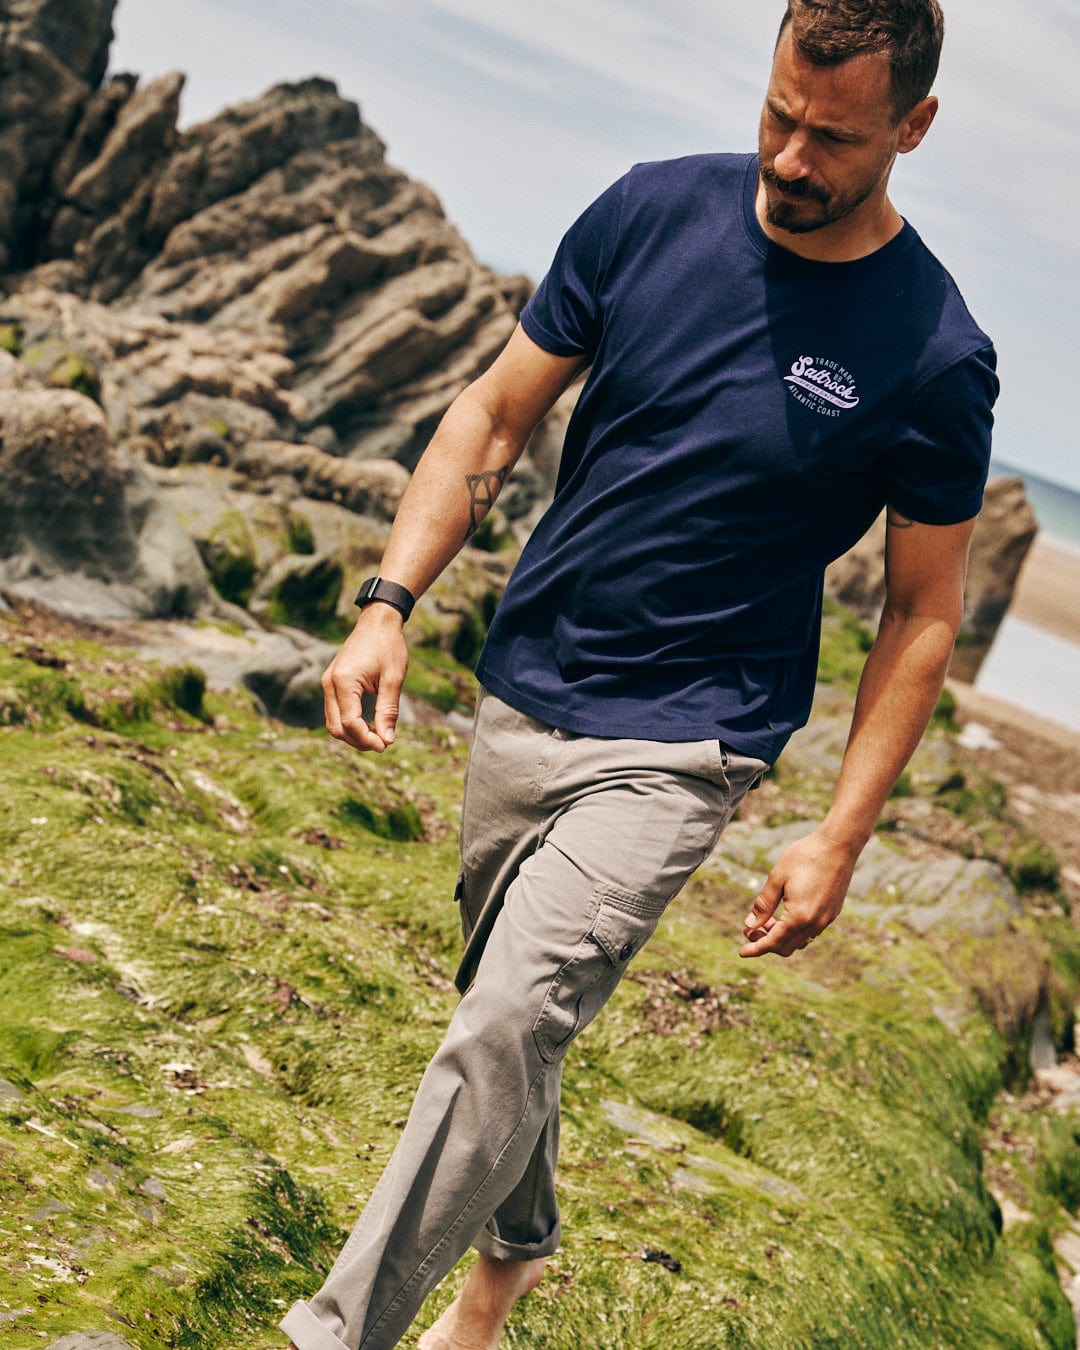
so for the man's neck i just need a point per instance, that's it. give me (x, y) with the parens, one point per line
(866, 230)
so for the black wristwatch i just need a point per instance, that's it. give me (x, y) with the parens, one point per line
(387, 593)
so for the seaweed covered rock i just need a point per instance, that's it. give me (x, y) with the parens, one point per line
(300, 590)
(228, 953)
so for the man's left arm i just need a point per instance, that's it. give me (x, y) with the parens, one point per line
(925, 566)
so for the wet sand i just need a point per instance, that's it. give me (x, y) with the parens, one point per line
(1047, 591)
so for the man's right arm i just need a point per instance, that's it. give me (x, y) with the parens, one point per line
(458, 477)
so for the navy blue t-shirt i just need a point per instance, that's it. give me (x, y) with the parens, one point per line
(747, 414)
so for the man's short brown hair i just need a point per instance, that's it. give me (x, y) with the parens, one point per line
(908, 32)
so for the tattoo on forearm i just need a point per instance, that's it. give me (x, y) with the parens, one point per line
(483, 489)
(893, 516)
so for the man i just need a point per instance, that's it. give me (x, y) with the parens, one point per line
(774, 356)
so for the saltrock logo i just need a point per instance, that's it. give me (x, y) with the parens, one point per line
(823, 385)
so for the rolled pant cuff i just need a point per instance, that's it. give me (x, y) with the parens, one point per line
(306, 1332)
(498, 1250)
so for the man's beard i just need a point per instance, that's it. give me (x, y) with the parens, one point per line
(787, 214)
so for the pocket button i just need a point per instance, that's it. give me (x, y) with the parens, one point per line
(627, 951)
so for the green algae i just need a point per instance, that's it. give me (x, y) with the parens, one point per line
(224, 968)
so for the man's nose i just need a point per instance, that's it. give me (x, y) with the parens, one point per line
(793, 161)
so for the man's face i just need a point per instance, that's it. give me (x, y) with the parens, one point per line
(828, 138)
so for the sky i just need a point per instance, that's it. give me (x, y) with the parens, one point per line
(519, 113)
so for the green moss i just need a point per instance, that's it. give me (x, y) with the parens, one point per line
(1033, 867)
(308, 599)
(945, 712)
(78, 372)
(974, 795)
(400, 821)
(299, 534)
(903, 786)
(226, 958)
(230, 558)
(437, 677)
(184, 687)
(1060, 1160)
(845, 642)
(471, 632)
(491, 536)
(11, 336)
(43, 698)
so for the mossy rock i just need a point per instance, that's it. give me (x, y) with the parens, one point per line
(78, 372)
(299, 534)
(184, 687)
(302, 591)
(11, 336)
(230, 556)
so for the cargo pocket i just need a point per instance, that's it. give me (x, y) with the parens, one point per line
(581, 987)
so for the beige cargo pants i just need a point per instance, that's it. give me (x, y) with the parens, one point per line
(571, 848)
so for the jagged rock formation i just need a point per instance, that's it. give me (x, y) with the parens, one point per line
(262, 290)
(266, 272)
(1004, 533)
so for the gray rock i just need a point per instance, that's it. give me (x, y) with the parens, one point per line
(133, 153)
(50, 60)
(90, 1340)
(203, 445)
(10, 1093)
(48, 1209)
(949, 893)
(81, 527)
(373, 488)
(287, 682)
(1042, 1053)
(325, 438)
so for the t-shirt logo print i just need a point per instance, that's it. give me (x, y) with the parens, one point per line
(823, 385)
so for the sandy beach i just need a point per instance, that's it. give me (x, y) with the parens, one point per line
(1048, 590)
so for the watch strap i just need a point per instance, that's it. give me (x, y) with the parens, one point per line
(386, 593)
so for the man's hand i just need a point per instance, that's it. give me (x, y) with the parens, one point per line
(811, 877)
(373, 660)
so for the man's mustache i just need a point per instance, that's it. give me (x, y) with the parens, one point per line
(798, 187)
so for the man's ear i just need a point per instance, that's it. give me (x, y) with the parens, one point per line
(915, 125)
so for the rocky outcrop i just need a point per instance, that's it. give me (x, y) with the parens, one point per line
(262, 290)
(1005, 531)
(265, 272)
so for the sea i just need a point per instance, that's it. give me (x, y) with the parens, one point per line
(1036, 670)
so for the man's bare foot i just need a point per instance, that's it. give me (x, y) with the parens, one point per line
(475, 1319)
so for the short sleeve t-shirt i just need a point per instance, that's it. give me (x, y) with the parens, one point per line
(746, 416)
